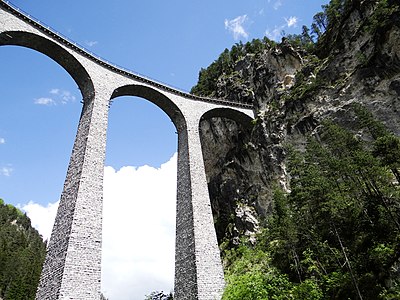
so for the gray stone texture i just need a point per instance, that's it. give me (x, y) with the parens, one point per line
(73, 264)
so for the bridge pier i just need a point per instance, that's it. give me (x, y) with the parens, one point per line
(198, 269)
(72, 269)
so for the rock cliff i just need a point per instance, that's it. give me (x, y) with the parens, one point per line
(356, 60)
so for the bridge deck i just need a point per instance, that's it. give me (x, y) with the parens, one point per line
(113, 67)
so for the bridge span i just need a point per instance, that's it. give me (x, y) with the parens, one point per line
(72, 266)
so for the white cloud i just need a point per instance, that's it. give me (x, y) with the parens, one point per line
(63, 96)
(2, 141)
(6, 171)
(236, 27)
(58, 96)
(138, 229)
(45, 101)
(42, 217)
(277, 4)
(292, 21)
(54, 91)
(66, 97)
(276, 33)
(91, 43)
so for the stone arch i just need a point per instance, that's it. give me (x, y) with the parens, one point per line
(223, 134)
(243, 119)
(163, 103)
(155, 97)
(54, 51)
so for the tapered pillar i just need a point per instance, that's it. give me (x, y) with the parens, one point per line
(72, 269)
(198, 268)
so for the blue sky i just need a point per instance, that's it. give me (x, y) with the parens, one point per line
(169, 41)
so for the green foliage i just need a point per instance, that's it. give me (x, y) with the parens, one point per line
(368, 122)
(255, 285)
(252, 276)
(159, 296)
(334, 11)
(320, 23)
(377, 17)
(307, 80)
(362, 58)
(330, 17)
(307, 290)
(382, 15)
(336, 234)
(386, 146)
(207, 83)
(312, 40)
(387, 149)
(305, 40)
(22, 253)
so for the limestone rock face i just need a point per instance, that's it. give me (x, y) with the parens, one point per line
(236, 178)
(293, 92)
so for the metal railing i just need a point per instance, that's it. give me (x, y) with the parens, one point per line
(109, 65)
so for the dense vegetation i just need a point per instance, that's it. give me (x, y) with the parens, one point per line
(336, 235)
(22, 253)
(159, 296)
(319, 41)
(225, 63)
(207, 83)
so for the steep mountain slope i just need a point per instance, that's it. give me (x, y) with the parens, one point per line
(357, 60)
(307, 203)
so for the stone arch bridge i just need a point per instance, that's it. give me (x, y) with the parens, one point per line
(72, 266)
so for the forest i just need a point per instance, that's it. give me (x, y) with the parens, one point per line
(22, 253)
(336, 234)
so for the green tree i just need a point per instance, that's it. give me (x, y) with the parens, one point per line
(335, 235)
(387, 149)
(22, 253)
(159, 296)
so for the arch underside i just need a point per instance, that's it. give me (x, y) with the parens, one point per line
(243, 119)
(154, 96)
(173, 111)
(82, 78)
(54, 51)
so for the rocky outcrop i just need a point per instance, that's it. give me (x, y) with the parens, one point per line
(242, 165)
(236, 179)
(357, 61)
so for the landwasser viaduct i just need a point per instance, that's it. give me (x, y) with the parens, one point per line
(72, 267)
